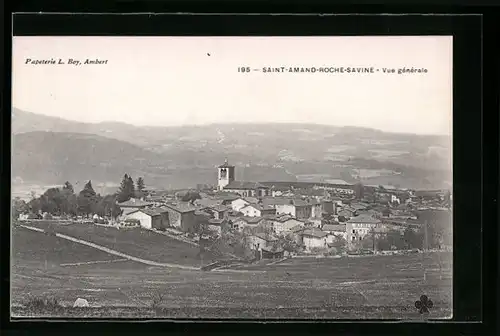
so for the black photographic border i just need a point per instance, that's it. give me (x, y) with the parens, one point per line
(474, 193)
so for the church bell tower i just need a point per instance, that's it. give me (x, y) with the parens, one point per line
(225, 176)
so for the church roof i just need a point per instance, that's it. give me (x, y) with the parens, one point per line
(239, 185)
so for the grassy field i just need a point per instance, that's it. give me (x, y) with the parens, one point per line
(354, 288)
(136, 242)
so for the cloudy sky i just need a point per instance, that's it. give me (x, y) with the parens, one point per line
(173, 81)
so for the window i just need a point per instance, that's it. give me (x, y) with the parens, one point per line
(353, 231)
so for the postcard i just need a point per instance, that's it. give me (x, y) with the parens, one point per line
(232, 177)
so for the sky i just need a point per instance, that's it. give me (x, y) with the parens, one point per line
(174, 81)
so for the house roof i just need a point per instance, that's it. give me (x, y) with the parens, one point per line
(180, 207)
(364, 219)
(287, 201)
(153, 212)
(202, 213)
(128, 211)
(133, 202)
(241, 185)
(261, 207)
(214, 221)
(226, 196)
(297, 228)
(314, 232)
(154, 198)
(358, 206)
(284, 218)
(207, 202)
(249, 220)
(251, 200)
(334, 227)
(345, 213)
(265, 237)
(219, 208)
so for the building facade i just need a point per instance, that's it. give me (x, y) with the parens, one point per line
(360, 226)
(151, 219)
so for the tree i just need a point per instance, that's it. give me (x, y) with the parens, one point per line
(413, 239)
(191, 196)
(340, 244)
(52, 201)
(140, 184)
(395, 240)
(288, 244)
(108, 207)
(126, 190)
(35, 205)
(68, 187)
(131, 186)
(87, 199)
(69, 202)
(19, 206)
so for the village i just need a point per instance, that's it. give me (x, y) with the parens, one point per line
(268, 220)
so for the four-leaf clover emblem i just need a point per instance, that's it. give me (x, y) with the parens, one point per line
(423, 304)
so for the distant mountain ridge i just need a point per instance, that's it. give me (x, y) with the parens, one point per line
(50, 150)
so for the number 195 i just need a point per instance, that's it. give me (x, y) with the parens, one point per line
(244, 69)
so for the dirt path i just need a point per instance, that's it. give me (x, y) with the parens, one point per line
(114, 252)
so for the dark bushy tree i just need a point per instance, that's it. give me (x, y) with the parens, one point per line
(108, 207)
(126, 190)
(191, 197)
(140, 184)
(87, 198)
(413, 239)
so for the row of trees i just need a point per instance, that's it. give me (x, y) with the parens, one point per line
(64, 201)
(128, 190)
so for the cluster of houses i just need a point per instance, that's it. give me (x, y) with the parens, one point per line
(315, 219)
